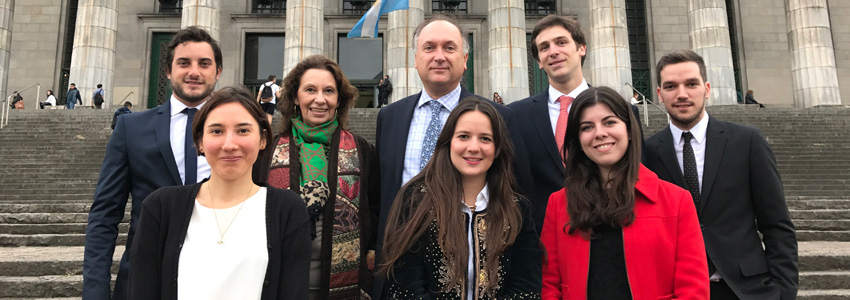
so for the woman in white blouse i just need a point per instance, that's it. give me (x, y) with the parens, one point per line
(226, 237)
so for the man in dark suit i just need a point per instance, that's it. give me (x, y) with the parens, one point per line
(559, 46)
(147, 151)
(404, 128)
(731, 174)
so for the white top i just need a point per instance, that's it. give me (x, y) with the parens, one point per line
(635, 100)
(275, 89)
(697, 143)
(51, 100)
(418, 126)
(178, 133)
(234, 269)
(555, 105)
(480, 205)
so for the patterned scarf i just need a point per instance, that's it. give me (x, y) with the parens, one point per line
(312, 141)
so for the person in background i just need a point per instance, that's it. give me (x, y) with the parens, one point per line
(97, 97)
(315, 155)
(225, 237)
(16, 97)
(458, 229)
(749, 99)
(497, 98)
(126, 109)
(616, 231)
(51, 100)
(267, 96)
(72, 97)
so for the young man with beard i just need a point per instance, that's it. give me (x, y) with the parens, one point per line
(731, 174)
(147, 151)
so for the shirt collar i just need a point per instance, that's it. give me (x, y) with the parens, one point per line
(178, 107)
(698, 131)
(449, 100)
(555, 94)
(482, 200)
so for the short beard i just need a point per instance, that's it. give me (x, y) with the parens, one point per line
(191, 99)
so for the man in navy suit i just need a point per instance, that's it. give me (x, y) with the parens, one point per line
(731, 174)
(440, 59)
(559, 46)
(147, 151)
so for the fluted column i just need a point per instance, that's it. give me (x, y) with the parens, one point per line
(814, 78)
(610, 60)
(710, 39)
(305, 20)
(7, 9)
(93, 56)
(202, 13)
(508, 54)
(400, 47)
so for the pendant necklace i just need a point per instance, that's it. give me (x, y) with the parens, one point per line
(220, 232)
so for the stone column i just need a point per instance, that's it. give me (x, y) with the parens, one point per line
(608, 48)
(7, 9)
(93, 56)
(710, 39)
(400, 47)
(305, 21)
(508, 52)
(814, 77)
(202, 13)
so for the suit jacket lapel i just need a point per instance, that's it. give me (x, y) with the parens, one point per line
(163, 140)
(401, 132)
(714, 147)
(539, 114)
(667, 152)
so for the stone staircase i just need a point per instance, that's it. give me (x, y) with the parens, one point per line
(50, 160)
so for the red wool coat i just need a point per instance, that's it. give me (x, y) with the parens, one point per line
(665, 254)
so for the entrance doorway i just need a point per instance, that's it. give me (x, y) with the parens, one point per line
(159, 87)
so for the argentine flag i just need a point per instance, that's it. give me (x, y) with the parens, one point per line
(368, 24)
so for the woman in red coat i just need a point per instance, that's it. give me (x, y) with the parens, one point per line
(623, 234)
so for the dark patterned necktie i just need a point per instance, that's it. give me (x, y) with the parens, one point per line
(690, 167)
(190, 158)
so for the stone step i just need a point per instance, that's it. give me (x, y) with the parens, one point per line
(48, 198)
(825, 225)
(834, 294)
(47, 218)
(42, 240)
(53, 228)
(818, 204)
(820, 214)
(40, 261)
(818, 235)
(41, 286)
(824, 256)
(41, 192)
(820, 280)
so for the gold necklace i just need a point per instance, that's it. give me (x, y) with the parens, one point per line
(217, 225)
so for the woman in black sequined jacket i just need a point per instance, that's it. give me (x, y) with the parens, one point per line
(432, 250)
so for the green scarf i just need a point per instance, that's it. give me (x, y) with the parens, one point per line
(312, 142)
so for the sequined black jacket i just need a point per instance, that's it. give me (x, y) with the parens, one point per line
(421, 273)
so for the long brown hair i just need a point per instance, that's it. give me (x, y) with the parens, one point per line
(441, 200)
(590, 202)
(292, 82)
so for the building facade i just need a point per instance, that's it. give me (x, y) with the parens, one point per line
(790, 52)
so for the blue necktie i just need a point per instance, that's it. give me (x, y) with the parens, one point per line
(190, 157)
(431, 134)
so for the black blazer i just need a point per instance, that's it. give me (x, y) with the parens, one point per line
(138, 161)
(545, 161)
(740, 185)
(393, 126)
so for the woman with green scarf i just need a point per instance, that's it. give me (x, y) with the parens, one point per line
(316, 156)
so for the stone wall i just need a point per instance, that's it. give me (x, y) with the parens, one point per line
(36, 51)
(839, 10)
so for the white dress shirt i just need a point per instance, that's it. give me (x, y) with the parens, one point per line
(234, 269)
(177, 137)
(555, 106)
(418, 125)
(480, 205)
(697, 143)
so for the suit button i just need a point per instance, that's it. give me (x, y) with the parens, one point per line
(265, 283)
(701, 227)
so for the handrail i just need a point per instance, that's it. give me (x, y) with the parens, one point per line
(645, 111)
(128, 95)
(4, 116)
